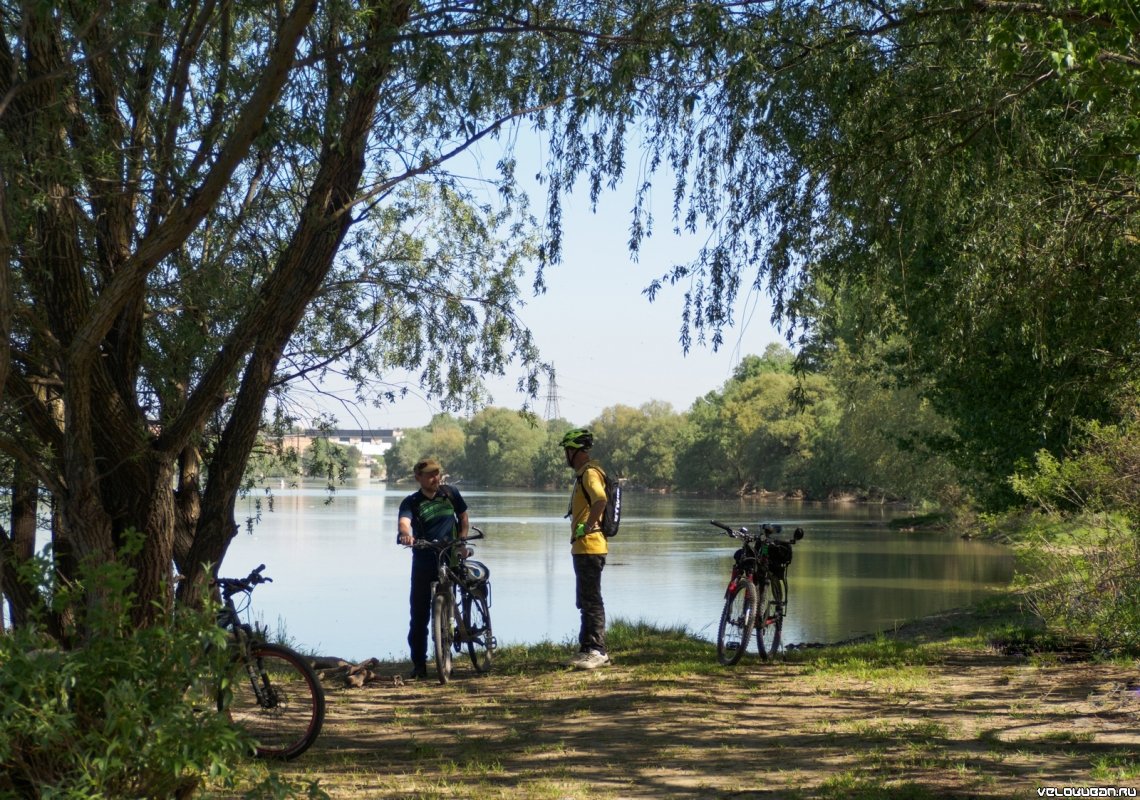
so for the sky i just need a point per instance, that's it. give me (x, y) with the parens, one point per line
(624, 349)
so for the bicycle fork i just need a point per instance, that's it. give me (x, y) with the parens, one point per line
(258, 680)
(457, 619)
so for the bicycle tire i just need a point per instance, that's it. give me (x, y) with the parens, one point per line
(770, 622)
(736, 622)
(480, 640)
(287, 722)
(441, 633)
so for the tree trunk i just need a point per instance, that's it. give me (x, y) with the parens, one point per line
(25, 494)
(297, 278)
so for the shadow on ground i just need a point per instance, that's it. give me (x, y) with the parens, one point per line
(961, 724)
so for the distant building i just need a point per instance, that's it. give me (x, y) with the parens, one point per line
(372, 444)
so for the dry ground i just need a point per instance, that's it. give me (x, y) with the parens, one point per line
(923, 721)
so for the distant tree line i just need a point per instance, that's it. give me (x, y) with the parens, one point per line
(767, 429)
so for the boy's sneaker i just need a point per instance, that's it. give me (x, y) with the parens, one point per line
(592, 660)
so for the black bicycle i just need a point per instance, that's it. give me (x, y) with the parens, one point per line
(461, 606)
(273, 693)
(760, 564)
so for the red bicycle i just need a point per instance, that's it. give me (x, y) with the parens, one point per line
(760, 563)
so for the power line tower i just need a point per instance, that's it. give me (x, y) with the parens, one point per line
(552, 411)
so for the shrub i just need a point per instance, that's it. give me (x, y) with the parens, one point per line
(1083, 583)
(118, 716)
(1080, 564)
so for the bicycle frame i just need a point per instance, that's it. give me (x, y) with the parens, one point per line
(229, 618)
(751, 560)
(448, 580)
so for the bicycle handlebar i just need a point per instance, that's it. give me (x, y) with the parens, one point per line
(425, 544)
(766, 532)
(246, 584)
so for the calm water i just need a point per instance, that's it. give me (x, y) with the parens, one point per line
(341, 581)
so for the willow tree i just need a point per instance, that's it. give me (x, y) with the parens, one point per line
(205, 202)
(949, 189)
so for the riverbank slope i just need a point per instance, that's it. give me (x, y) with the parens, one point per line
(955, 706)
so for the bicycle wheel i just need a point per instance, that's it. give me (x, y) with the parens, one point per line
(285, 712)
(477, 621)
(770, 624)
(441, 633)
(736, 623)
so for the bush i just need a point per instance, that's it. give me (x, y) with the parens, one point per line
(1085, 587)
(1080, 563)
(117, 716)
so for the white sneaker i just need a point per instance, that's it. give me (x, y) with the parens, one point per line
(592, 660)
(574, 660)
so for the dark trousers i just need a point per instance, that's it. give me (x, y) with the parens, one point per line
(424, 572)
(588, 579)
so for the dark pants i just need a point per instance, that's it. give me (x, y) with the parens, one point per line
(424, 572)
(588, 578)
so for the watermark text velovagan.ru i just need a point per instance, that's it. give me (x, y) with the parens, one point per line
(1086, 791)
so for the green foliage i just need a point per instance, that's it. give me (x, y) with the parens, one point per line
(1080, 558)
(502, 447)
(205, 207)
(960, 180)
(121, 714)
(835, 432)
(887, 442)
(1097, 476)
(327, 459)
(444, 439)
(1084, 586)
(640, 445)
(549, 464)
(761, 432)
(776, 359)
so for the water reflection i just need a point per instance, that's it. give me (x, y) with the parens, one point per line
(341, 581)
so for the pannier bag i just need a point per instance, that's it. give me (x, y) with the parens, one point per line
(779, 556)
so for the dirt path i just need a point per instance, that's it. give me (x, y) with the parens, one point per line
(962, 723)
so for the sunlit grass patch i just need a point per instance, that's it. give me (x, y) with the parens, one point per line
(1067, 737)
(519, 658)
(666, 650)
(901, 731)
(855, 786)
(676, 650)
(1123, 767)
(884, 665)
(879, 653)
(556, 790)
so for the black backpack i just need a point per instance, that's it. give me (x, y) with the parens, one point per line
(611, 517)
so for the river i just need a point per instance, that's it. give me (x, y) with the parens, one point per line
(341, 582)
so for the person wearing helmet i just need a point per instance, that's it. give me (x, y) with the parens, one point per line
(588, 547)
(435, 512)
